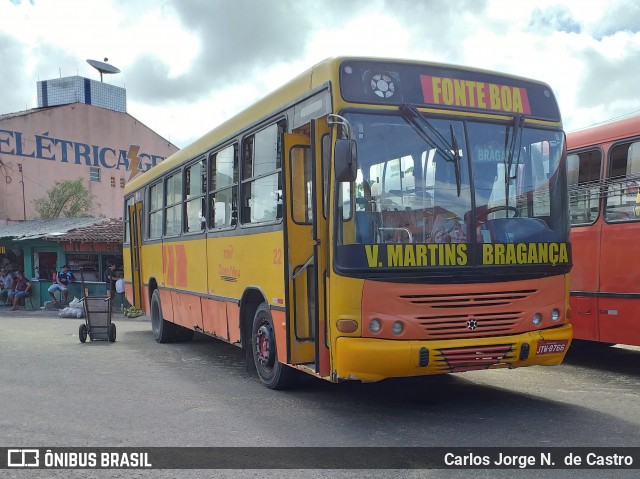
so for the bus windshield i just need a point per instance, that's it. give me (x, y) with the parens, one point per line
(453, 181)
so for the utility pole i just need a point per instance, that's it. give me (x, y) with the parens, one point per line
(24, 203)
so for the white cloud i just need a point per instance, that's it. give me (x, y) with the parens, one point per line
(187, 65)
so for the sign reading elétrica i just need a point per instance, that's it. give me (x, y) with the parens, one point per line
(47, 148)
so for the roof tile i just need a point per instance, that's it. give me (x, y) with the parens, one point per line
(107, 230)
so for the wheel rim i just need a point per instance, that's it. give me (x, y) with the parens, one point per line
(265, 346)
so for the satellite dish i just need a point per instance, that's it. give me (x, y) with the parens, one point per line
(103, 67)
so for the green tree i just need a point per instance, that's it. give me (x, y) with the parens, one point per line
(68, 199)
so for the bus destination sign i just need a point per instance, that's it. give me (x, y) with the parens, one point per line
(444, 87)
(448, 255)
(474, 94)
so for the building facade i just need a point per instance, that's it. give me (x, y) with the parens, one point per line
(80, 130)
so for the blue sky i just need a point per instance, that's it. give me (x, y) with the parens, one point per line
(189, 64)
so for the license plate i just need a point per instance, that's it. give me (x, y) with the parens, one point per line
(551, 347)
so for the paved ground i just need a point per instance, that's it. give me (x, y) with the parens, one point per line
(55, 391)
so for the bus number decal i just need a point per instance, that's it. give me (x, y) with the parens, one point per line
(277, 256)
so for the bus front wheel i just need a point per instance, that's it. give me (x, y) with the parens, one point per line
(271, 372)
(163, 330)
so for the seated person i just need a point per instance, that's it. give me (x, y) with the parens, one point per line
(63, 278)
(6, 280)
(22, 290)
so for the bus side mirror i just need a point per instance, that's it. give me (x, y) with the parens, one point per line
(346, 160)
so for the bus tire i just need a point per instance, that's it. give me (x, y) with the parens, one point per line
(271, 372)
(163, 330)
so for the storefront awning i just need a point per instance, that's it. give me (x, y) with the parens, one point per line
(105, 230)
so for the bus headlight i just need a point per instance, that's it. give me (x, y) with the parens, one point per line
(397, 327)
(375, 326)
(537, 319)
(555, 315)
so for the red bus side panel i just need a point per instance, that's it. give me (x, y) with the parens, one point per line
(187, 310)
(584, 317)
(214, 318)
(619, 320)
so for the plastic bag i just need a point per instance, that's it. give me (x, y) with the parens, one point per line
(76, 303)
(71, 313)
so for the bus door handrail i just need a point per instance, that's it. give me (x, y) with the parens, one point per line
(304, 266)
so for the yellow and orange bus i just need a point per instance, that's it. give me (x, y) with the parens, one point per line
(604, 175)
(369, 219)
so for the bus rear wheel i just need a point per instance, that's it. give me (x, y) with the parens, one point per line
(163, 330)
(271, 372)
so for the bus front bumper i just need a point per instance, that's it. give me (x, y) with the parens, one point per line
(368, 359)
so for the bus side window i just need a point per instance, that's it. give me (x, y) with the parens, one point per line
(223, 188)
(195, 185)
(262, 176)
(173, 205)
(154, 225)
(633, 173)
(584, 186)
(621, 187)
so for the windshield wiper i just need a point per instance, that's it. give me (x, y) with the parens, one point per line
(409, 113)
(516, 142)
(456, 159)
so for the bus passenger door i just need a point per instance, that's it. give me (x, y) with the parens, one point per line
(135, 233)
(300, 249)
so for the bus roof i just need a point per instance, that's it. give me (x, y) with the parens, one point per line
(325, 72)
(604, 132)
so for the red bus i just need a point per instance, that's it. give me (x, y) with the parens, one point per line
(604, 204)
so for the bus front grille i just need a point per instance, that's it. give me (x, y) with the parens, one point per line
(466, 325)
(468, 300)
(474, 314)
(474, 358)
